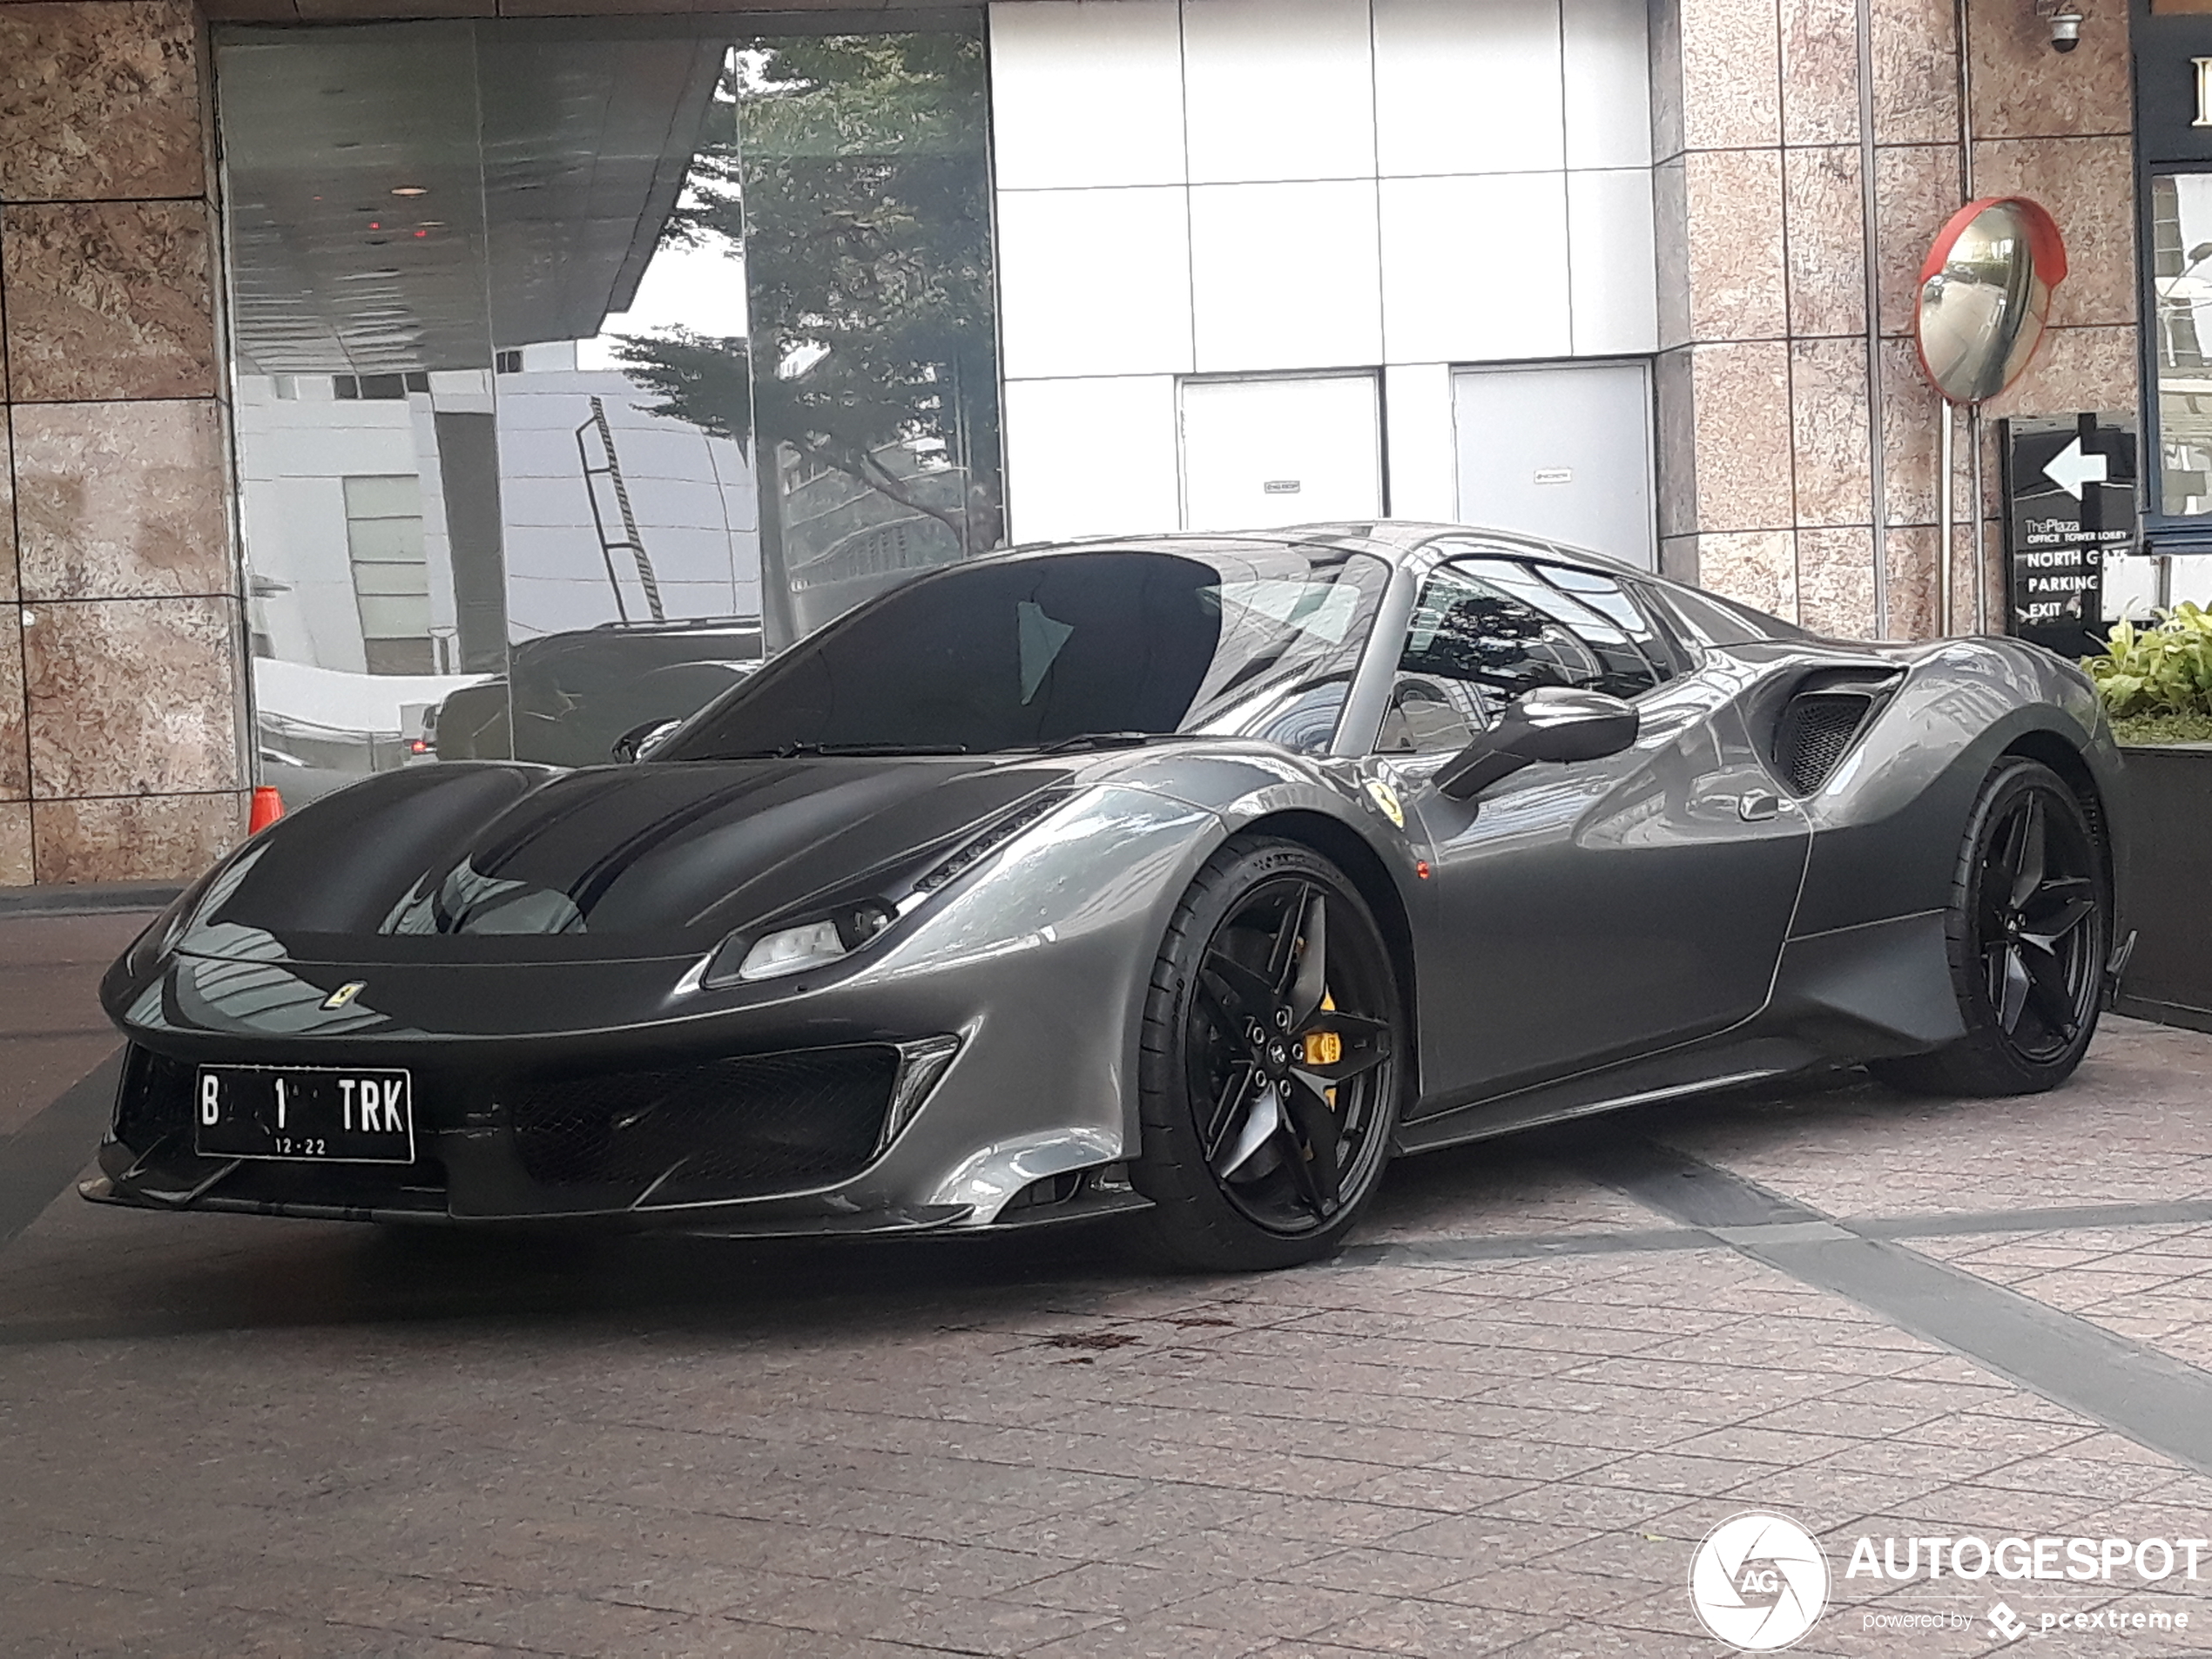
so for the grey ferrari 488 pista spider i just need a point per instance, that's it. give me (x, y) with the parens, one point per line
(1189, 877)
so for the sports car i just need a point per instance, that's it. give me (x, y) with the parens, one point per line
(1188, 879)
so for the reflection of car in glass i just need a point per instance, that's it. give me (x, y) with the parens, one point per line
(573, 695)
(1189, 877)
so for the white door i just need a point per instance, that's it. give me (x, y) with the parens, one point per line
(1261, 452)
(1562, 452)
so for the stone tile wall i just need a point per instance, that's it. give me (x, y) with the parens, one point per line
(122, 741)
(1771, 385)
(121, 643)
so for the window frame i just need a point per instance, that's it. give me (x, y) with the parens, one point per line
(1676, 656)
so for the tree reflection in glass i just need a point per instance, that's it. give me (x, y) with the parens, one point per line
(857, 190)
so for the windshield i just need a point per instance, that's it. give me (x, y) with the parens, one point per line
(1251, 639)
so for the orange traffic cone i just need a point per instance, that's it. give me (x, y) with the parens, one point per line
(269, 806)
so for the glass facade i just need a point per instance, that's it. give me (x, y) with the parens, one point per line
(581, 364)
(2180, 256)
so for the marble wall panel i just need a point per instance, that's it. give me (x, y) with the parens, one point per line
(2075, 369)
(1917, 188)
(15, 863)
(376, 11)
(108, 300)
(1828, 408)
(100, 102)
(1912, 441)
(144, 838)
(1819, 71)
(1916, 70)
(14, 753)
(1756, 568)
(1678, 559)
(2024, 90)
(7, 510)
(1732, 66)
(1664, 29)
(1836, 581)
(1910, 577)
(1741, 398)
(2088, 185)
(1670, 248)
(1733, 200)
(1913, 579)
(122, 500)
(1824, 213)
(1674, 391)
(132, 695)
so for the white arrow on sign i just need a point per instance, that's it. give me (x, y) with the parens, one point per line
(2070, 469)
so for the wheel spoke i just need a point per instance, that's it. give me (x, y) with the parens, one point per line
(1310, 982)
(1363, 1044)
(2014, 997)
(1265, 1118)
(1246, 997)
(2046, 933)
(1230, 1107)
(2027, 872)
(2047, 989)
(1314, 1130)
(1282, 950)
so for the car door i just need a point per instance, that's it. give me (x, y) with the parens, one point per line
(1586, 912)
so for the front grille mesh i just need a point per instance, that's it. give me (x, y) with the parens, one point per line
(731, 1128)
(723, 1128)
(155, 1098)
(1816, 729)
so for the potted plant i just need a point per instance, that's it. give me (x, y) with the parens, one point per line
(2157, 684)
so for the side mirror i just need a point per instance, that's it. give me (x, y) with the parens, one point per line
(1551, 723)
(641, 740)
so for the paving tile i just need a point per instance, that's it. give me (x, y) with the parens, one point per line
(663, 1447)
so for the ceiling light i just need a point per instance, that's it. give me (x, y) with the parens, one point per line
(409, 189)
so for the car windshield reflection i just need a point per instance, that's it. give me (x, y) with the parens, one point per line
(1059, 651)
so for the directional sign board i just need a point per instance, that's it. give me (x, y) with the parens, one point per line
(2069, 505)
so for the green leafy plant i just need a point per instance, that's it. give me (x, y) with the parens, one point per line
(2157, 680)
(2164, 670)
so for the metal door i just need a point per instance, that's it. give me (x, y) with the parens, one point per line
(1563, 452)
(1280, 451)
(1598, 911)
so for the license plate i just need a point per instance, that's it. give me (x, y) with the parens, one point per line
(317, 1115)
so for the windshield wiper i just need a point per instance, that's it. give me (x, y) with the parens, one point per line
(1103, 740)
(799, 751)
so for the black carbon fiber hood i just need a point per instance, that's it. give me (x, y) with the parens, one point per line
(530, 862)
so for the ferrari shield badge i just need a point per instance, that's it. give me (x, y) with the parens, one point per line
(345, 993)
(1386, 802)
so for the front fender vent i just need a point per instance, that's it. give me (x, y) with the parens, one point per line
(1817, 728)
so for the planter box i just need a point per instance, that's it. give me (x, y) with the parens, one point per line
(2165, 881)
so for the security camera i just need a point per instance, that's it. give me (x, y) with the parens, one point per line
(2065, 29)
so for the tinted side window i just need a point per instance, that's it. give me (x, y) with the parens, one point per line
(1597, 610)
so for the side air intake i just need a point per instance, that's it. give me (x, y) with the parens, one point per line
(1816, 727)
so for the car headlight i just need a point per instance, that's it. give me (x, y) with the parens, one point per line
(800, 946)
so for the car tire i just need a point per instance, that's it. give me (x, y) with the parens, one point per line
(2028, 931)
(1270, 1066)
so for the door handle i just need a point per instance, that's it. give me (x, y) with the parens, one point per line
(1756, 806)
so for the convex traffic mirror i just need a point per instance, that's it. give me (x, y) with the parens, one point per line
(1985, 295)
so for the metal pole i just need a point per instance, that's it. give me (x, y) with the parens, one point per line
(1870, 261)
(1943, 530)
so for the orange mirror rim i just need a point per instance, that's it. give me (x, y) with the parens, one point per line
(2046, 248)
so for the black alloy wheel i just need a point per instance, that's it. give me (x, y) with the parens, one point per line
(2029, 931)
(1271, 1066)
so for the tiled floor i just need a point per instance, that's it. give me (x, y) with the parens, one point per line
(1498, 1425)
